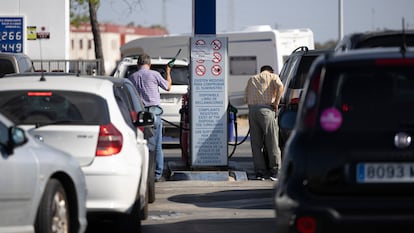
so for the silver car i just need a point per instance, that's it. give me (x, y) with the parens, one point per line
(42, 189)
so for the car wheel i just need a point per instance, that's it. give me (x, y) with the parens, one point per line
(131, 222)
(151, 179)
(53, 213)
(144, 211)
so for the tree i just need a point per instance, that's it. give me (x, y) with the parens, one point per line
(79, 15)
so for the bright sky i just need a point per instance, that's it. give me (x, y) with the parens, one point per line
(321, 16)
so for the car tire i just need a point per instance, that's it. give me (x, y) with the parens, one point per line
(151, 179)
(131, 222)
(53, 214)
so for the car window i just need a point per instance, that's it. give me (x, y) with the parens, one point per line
(31, 107)
(287, 70)
(4, 134)
(25, 64)
(369, 99)
(179, 74)
(124, 104)
(134, 97)
(6, 67)
(302, 71)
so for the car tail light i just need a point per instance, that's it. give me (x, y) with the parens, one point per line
(306, 224)
(294, 101)
(39, 93)
(109, 141)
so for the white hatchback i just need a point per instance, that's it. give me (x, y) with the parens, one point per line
(170, 100)
(42, 189)
(86, 117)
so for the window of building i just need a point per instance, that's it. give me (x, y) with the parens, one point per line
(243, 65)
(81, 44)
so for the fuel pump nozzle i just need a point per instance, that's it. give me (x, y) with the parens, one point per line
(171, 63)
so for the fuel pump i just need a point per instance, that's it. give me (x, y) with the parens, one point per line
(185, 128)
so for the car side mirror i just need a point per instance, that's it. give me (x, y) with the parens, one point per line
(144, 118)
(16, 137)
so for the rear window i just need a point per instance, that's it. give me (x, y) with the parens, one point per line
(48, 107)
(371, 99)
(180, 75)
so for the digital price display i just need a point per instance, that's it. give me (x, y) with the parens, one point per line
(11, 34)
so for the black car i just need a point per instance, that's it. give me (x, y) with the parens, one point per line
(374, 39)
(293, 76)
(349, 163)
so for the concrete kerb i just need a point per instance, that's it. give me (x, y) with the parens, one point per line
(236, 171)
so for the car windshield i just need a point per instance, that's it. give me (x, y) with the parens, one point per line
(371, 99)
(51, 107)
(179, 74)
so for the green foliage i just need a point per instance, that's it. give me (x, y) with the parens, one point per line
(79, 11)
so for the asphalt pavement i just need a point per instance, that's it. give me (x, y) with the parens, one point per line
(226, 200)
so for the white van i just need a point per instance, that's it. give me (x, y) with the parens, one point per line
(248, 50)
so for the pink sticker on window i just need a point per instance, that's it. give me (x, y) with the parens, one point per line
(331, 119)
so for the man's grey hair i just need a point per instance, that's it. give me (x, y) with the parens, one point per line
(144, 59)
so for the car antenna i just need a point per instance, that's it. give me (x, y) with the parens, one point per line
(42, 75)
(403, 48)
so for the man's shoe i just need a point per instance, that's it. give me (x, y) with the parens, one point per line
(161, 179)
(259, 176)
(273, 178)
(274, 175)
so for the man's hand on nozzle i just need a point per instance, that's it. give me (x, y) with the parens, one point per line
(168, 69)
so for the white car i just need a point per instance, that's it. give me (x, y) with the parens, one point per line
(170, 100)
(42, 189)
(86, 117)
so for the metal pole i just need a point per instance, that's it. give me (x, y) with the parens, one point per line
(340, 20)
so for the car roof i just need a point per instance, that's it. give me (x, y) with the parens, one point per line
(370, 54)
(56, 81)
(156, 61)
(385, 38)
(3, 54)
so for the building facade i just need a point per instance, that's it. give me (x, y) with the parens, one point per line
(112, 36)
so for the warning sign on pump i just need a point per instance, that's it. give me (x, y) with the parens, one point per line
(209, 101)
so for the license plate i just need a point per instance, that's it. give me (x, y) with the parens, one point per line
(385, 172)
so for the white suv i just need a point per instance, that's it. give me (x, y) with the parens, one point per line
(87, 117)
(170, 100)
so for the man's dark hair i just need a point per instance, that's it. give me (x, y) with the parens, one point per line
(266, 67)
(144, 59)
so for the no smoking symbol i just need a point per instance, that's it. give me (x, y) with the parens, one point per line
(200, 70)
(216, 44)
(217, 57)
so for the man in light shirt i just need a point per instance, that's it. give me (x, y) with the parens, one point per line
(262, 94)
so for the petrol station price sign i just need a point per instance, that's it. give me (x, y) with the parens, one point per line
(11, 34)
(209, 101)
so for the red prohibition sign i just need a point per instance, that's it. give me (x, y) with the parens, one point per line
(200, 42)
(216, 70)
(200, 70)
(217, 57)
(216, 44)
